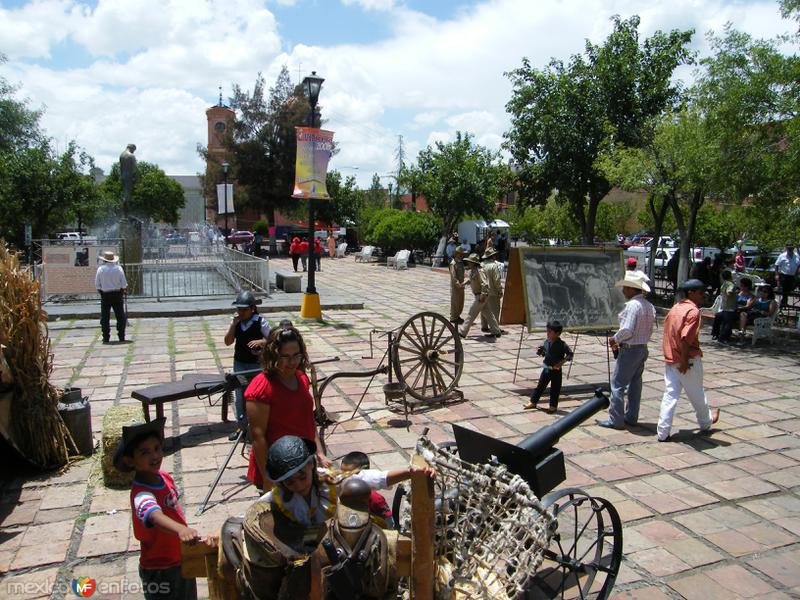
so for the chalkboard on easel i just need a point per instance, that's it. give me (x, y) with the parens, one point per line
(571, 285)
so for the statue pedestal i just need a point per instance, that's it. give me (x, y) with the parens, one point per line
(130, 230)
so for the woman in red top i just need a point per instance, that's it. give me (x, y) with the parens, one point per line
(304, 252)
(294, 252)
(279, 401)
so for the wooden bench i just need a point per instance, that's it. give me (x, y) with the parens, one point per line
(191, 385)
(288, 282)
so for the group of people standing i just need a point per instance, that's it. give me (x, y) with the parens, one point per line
(484, 277)
(298, 251)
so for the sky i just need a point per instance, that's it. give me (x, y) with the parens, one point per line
(109, 72)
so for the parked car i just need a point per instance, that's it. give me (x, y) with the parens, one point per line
(239, 237)
(175, 238)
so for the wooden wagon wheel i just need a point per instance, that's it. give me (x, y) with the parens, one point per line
(427, 356)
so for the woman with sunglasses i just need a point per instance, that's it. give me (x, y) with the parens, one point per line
(279, 401)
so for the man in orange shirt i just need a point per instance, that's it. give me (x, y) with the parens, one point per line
(683, 367)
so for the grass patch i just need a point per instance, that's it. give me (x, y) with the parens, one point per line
(172, 348)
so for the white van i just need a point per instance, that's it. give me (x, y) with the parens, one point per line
(75, 236)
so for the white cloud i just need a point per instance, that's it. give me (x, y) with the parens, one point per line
(371, 4)
(32, 30)
(154, 66)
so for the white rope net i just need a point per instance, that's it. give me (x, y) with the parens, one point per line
(491, 529)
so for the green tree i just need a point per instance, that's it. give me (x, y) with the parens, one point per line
(76, 189)
(155, 196)
(394, 230)
(410, 178)
(345, 203)
(541, 223)
(460, 178)
(19, 125)
(564, 116)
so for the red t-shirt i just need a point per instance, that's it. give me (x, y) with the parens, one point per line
(160, 549)
(291, 412)
(294, 247)
(303, 247)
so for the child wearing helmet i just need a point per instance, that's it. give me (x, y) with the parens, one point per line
(248, 330)
(307, 495)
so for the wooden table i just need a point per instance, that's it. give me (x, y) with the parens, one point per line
(191, 385)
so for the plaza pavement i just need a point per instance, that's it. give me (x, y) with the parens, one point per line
(712, 517)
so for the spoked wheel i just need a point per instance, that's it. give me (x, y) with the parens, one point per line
(427, 356)
(586, 551)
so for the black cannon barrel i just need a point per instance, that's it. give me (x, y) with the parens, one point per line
(541, 441)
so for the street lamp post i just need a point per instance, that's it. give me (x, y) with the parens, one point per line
(310, 308)
(225, 167)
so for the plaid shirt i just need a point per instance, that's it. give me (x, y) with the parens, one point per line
(636, 321)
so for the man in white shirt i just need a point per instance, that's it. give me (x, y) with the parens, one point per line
(111, 285)
(629, 344)
(787, 266)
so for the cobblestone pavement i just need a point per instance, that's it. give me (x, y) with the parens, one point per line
(704, 517)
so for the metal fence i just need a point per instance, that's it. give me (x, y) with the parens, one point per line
(219, 276)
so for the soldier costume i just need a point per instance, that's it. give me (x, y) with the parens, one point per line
(479, 284)
(492, 269)
(457, 285)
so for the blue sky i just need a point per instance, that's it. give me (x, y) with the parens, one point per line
(110, 72)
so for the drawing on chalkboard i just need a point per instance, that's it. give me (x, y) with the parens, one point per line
(572, 285)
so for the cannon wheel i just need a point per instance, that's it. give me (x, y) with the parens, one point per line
(427, 357)
(586, 551)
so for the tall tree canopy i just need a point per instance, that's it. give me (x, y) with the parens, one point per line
(460, 178)
(565, 115)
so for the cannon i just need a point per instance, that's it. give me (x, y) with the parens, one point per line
(581, 534)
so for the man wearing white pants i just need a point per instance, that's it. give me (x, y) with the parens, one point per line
(683, 367)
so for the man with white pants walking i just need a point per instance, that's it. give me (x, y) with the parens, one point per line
(683, 368)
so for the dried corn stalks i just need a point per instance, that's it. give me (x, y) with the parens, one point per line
(38, 429)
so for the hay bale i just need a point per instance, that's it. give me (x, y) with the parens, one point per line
(113, 421)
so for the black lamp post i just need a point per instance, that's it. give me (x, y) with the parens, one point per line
(225, 167)
(311, 87)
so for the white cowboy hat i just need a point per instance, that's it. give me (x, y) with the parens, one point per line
(108, 256)
(633, 281)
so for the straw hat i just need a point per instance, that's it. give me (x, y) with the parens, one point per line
(108, 256)
(633, 281)
(489, 252)
(458, 250)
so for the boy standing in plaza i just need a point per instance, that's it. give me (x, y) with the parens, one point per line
(555, 352)
(158, 521)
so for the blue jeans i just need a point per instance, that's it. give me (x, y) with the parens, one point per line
(239, 403)
(627, 374)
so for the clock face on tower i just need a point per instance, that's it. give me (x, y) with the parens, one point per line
(219, 126)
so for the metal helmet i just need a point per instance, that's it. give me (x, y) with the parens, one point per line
(246, 299)
(288, 455)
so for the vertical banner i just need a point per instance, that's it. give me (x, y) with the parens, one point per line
(221, 208)
(314, 148)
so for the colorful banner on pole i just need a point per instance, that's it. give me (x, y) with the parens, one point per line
(314, 148)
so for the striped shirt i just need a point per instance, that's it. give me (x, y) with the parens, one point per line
(636, 321)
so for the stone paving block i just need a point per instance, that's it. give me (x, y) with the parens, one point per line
(643, 593)
(693, 552)
(659, 562)
(783, 568)
(743, 487)
(740, 581)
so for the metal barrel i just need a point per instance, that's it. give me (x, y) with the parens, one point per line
(541, 441)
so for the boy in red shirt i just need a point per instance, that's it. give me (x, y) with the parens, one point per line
(158, 521)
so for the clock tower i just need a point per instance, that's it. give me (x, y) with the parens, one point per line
(220, 119)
